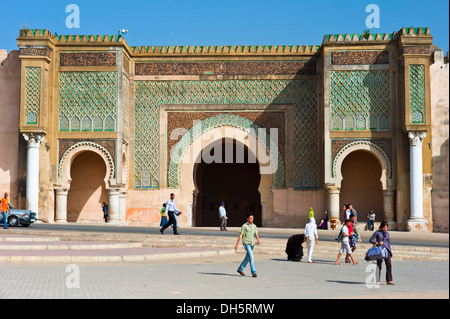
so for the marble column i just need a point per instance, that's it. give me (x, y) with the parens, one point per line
(333, 203)
(122, 206)
(32, 189)
(114, 206)
(416, 222)
(61, 205)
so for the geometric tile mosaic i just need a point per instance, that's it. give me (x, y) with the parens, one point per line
(149, 95)
(32, 94)
(87, 101)
(360, 100)
(416, 93)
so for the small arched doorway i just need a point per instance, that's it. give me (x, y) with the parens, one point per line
(87, 188)
(361, 185)
(232, 181)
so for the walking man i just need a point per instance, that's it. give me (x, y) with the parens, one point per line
(5, 210)
(248, 233)
(172, 209)
(223, 217)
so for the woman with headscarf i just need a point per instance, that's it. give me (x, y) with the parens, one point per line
(311, 237)
(294, 248)
(381, 238)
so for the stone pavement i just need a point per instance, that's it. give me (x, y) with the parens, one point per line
(137, 262)
(216, 278)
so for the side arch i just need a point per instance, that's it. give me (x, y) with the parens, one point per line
(65, 163)
(377, 151)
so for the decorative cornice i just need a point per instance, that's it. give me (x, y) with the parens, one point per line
(225, 50)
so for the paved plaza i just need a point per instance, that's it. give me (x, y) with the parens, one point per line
(215, 276)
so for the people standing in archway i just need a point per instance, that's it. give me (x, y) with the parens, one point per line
(172, 209)
(223, 217)
(105, 211)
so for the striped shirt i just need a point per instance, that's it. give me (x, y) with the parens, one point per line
(249, 233)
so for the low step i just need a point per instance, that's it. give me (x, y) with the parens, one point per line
(24, 238)
(64, 245)
(108, 255)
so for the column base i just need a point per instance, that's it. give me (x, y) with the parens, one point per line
(61, 221)
(417, 225)
(113, 222)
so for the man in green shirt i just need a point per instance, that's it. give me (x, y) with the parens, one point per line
(248, 233)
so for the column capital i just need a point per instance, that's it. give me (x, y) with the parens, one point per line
(332, 188)
(416, 138)
(33, 139)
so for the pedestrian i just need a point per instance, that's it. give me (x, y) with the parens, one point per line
(173, 212)
(381, 238)
(345, 246)
(353, 211)
(311, 213)
(354, 236)
(371, 221)
(344, 214)
(294, 247)
(248, 233)
(347, 211)
(311, 237)
(105, 211)
(5, 210)
(163, 215)
(223, 217)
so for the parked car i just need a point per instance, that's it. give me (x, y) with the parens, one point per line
(21, 217)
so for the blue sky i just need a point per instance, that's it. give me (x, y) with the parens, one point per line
(230, 22)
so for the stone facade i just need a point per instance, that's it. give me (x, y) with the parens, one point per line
(144, 110)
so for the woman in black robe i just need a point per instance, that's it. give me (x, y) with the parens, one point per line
(294, 248)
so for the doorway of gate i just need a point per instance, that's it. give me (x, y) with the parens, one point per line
(231, 178)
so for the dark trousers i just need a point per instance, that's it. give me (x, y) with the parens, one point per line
(388, 269)
(223, 223)
(172, 221)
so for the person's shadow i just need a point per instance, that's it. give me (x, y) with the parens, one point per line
(347, 282)
(219, 274)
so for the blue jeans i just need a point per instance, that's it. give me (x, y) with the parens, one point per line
(5, 219)
(248, 258)
(370, 224)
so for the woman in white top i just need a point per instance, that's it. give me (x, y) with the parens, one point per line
(311, 237)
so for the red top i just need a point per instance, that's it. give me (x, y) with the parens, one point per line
(350, 229)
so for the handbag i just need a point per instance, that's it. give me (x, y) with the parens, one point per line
(377, 253)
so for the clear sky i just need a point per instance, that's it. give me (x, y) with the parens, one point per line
(224, 22)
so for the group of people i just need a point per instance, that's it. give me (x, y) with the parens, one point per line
(248, 234)
(348, 237)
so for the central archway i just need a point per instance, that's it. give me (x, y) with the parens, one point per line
(233, 180)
